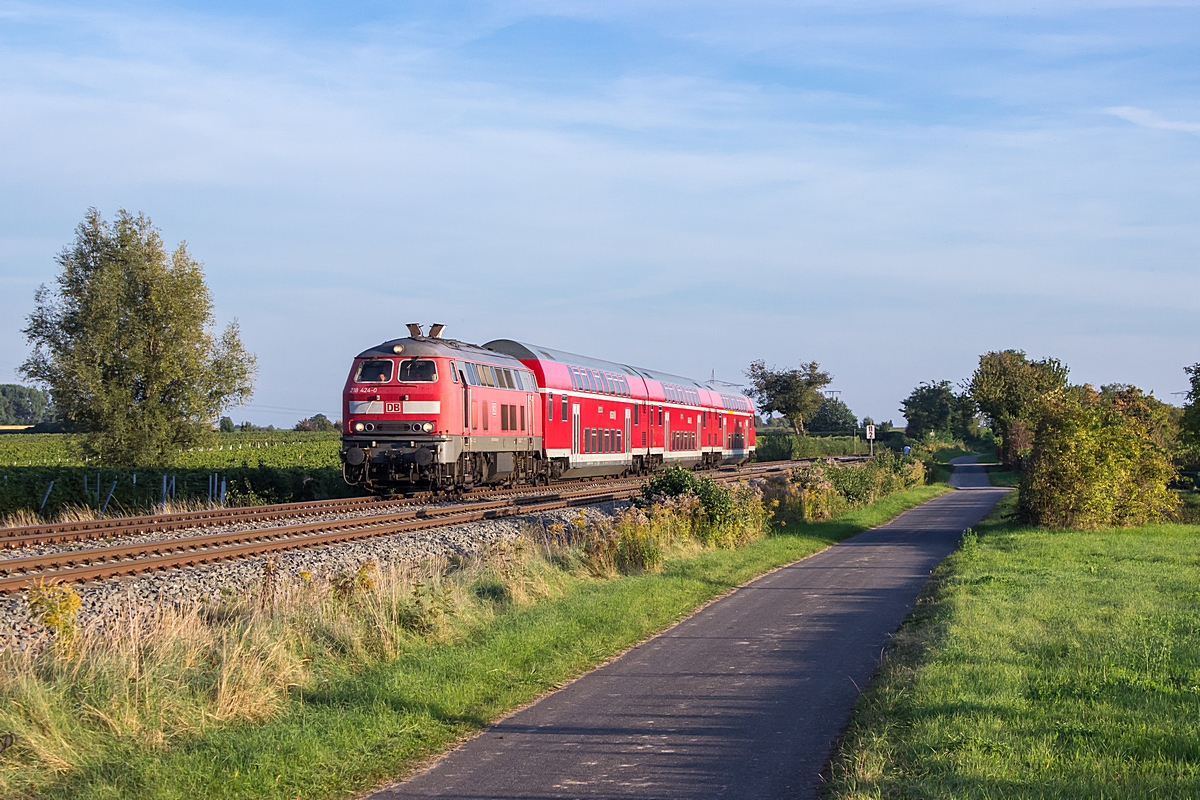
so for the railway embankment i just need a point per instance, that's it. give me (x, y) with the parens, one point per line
(324, 675)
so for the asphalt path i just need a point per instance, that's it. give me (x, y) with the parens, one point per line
(744, 699)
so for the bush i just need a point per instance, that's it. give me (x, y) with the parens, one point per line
(1097, 460)
(716, 499)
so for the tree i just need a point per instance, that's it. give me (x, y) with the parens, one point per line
(794, 393)
(23, 405)
(1098, 459)
(1189, 426)
(833, 416)
(226, 425)
(934, 407)
(319, 422)
(1013, 392)
(124, 343)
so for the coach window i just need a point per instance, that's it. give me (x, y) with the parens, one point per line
(635, 414)
(564, 408)
(453, 372)
(550, 407)
(660, 416)
(472, 374)
(522, 417)
(418, 370)
(374, 371)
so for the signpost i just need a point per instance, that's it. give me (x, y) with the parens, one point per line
(871, 437)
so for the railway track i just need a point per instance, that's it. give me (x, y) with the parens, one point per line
(106, 562)
(90, 530)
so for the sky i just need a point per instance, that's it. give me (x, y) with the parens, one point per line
(890, 189)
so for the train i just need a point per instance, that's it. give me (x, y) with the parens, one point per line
(426, 412)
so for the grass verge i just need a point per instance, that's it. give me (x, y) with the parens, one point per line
(1041, 664)
(356, 727)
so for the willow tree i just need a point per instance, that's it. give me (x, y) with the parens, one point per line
(125, 343)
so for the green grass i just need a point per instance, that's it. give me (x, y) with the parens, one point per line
(1040, 664)
(357, 729)
(999, 476)
(943, 455)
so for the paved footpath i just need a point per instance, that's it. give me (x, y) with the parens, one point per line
(742, 700)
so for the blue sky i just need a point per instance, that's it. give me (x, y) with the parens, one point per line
(889, 189)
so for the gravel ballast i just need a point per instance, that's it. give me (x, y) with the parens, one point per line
(185, 588)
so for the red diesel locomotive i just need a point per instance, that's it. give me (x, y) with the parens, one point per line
(428, 412)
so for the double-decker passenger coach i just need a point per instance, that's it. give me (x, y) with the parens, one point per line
(432, 412)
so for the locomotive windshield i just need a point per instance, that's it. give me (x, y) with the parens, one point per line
(418, 370)
(375, 371)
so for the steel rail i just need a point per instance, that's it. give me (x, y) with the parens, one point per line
(81, 566)
(89, 530)
(90, 564)
(62, 532)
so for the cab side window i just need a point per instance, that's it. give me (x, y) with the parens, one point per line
(418, 370)
(378, 370)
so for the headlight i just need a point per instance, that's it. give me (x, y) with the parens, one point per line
(427, 427)
(358, 426)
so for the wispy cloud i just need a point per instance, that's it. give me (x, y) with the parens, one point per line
(1149, 119)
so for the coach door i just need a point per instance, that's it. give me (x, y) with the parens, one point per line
(530, 417)
(466, 401)
(575, 427)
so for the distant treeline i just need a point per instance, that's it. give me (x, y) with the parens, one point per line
(23, 405)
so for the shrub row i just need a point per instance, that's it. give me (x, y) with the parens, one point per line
(790, 447)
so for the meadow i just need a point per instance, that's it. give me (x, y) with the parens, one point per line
(1040, 664)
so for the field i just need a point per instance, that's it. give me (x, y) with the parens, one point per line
(258, 449)
(275, 466)
(1041, 664)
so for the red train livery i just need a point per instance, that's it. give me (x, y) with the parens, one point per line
(428, 412)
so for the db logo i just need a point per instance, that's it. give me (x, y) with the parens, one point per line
(391, 408)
